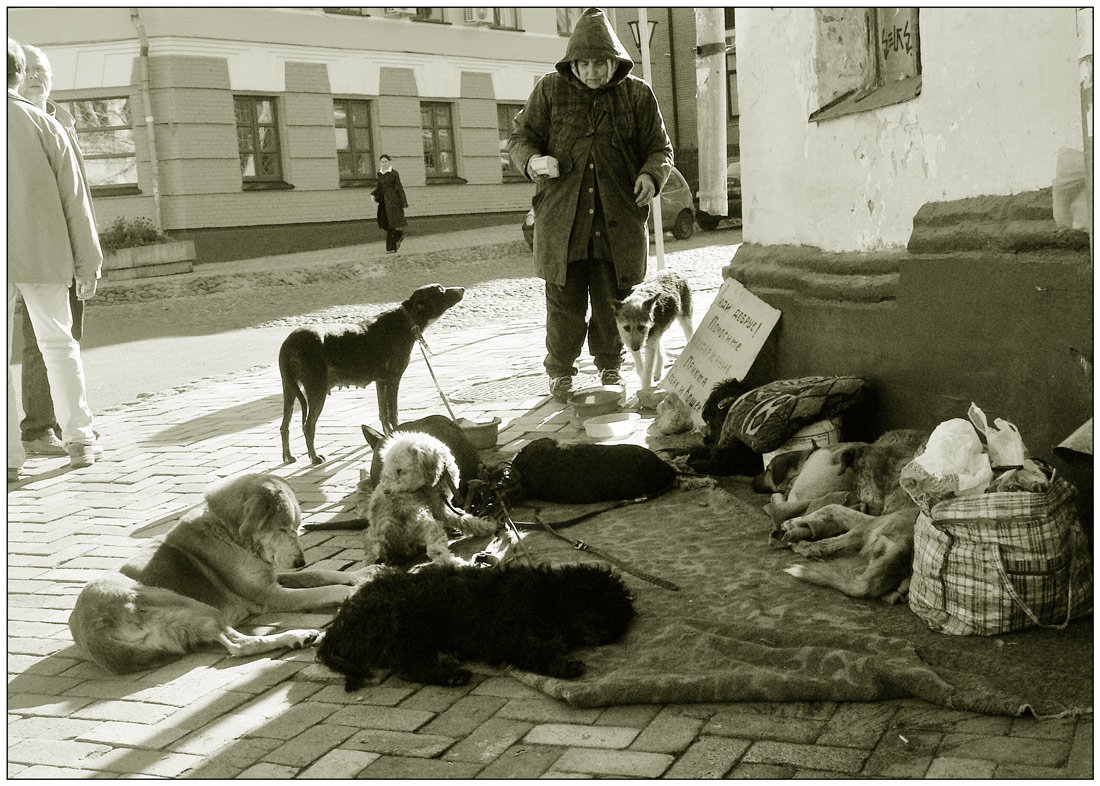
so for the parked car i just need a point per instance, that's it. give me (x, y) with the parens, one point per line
(677, 210)
(733, 196)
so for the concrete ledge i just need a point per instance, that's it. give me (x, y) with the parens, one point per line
(809, 272)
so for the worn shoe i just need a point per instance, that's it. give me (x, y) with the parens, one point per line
(561, 388)
(611, 376)
(81, 455)
(46, 445)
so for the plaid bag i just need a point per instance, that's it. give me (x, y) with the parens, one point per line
(999, 562)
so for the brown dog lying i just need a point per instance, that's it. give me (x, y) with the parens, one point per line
(884, 542)
(313, 361)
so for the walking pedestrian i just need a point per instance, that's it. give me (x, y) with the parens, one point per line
(592, 138)
(390, 196)
(52, 240)
(41, 433)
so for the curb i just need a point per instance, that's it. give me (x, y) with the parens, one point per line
(371, 265)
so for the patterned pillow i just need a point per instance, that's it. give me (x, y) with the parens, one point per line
(767, 416)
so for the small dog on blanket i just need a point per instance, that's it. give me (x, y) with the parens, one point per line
(411, 507)
(218, 565)
(421, 624)
(313, 361)
(644, 316)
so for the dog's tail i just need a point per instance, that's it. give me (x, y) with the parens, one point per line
(852, 582)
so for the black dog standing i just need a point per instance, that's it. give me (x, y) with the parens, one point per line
(390, 196)
(314, 360)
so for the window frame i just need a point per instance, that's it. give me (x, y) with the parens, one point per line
(498, 24)
(258, 182)
(431, 174)
(508, 171)
(356, 181)
(731, 80)
(107, 189)
(571, 16)
(431, 16)
(878, 89)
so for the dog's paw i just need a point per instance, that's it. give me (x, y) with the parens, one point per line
(305, 638)
(795, 570)
(807, 548)
(458, 677)
(475, 525)
(317, 458)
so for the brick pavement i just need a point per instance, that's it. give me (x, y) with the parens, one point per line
(283, 716)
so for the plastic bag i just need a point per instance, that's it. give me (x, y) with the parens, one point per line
(953, 464)
(1003, 443)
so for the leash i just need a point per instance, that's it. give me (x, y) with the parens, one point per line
(580, 545)
(424, 350)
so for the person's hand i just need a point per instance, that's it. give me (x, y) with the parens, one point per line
(543, 169)
(85, 288)
(644, 189)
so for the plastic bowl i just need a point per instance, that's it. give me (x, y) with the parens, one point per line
(595, 401)
(619, 424)
(481, 435)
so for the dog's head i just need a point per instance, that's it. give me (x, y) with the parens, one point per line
(266, 515)
(600, 607)
(634, 318)
(717, 406)
(413, 460)
(427, 303)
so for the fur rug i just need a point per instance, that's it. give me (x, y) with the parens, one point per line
(740, 629)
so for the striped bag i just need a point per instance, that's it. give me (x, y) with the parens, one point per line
(999, 562)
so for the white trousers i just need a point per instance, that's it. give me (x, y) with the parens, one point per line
(48, 307)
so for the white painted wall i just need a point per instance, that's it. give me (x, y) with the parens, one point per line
(1000, 97)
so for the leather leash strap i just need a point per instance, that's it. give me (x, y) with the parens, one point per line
(580, 545)
(424, 351)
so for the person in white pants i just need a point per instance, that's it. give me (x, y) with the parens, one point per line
(52, 240)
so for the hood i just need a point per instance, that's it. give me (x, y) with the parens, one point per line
(594, 39)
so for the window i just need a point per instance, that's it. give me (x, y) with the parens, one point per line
(106, 138)
(354, 151)
(505, 114)
(258, 139)
(567, 19)
(347, 11)
(506, 18)
(439, 142)
(429, 15)
(731, 79)
(867, 58)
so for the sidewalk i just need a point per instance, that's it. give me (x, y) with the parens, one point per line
(284, 716)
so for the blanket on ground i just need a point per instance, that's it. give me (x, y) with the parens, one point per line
(740, 629)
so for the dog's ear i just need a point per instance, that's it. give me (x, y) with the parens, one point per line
(847, 456)
(434, 464)
(373, 438)
(649, 303)
(784, 466)
(269, 505)
(616, 305)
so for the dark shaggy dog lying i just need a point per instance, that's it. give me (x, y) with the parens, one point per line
(421, 624)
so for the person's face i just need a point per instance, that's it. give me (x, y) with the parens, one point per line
(38, 81)
(384, 162)
(594, 73)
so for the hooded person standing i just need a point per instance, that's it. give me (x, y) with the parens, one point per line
(390, 196)
(592, 138)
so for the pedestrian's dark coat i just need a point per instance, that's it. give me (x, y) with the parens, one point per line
(619, 126)
(390, 196)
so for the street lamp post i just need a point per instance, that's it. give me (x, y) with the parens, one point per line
(642, 42)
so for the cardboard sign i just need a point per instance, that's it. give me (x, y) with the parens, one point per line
(724, 345)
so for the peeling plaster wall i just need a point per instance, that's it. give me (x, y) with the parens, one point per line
(999, 98)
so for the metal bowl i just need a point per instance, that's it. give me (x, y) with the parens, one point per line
(481, 435)
(595, 401)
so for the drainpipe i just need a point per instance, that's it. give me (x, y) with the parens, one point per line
(672, 68)
(146, 100)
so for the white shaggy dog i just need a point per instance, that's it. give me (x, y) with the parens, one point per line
(411, 506)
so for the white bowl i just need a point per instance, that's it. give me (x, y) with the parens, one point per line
(618, 424)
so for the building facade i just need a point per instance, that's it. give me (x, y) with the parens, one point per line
(257, 130)
(897, 173)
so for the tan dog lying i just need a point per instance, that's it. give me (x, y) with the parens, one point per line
(884, 542)
(218, 565)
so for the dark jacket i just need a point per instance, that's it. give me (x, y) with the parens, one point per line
(390, 196)
(616, 130)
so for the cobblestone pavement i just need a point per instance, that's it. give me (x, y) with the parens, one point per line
(284, 716)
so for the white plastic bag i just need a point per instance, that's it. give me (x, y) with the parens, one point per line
(1003, 441)
(954, 464)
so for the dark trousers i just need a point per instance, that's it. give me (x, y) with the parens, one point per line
(393, 239)
(567, 323)
(37, 401)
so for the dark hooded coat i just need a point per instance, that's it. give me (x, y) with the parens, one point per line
(617, 130)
